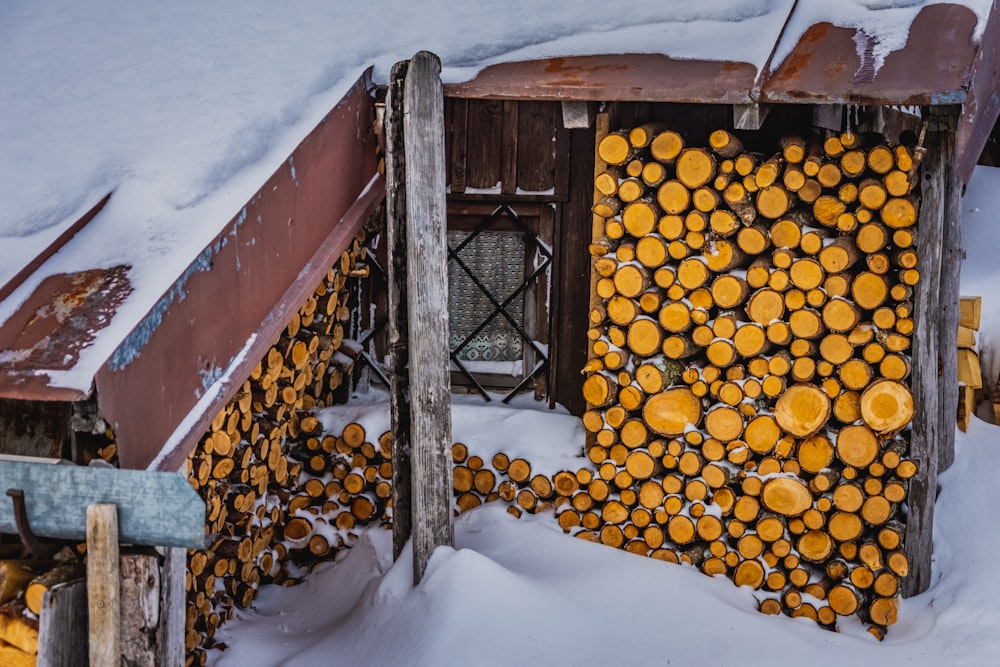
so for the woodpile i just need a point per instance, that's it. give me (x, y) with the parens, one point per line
(747, 384)
(280, 496)
(23, 583)
(970, 375)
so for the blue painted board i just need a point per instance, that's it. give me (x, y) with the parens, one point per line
(154, 508)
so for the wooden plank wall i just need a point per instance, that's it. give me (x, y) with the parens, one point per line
(505, 147)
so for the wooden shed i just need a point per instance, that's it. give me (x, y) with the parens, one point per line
(521, 160)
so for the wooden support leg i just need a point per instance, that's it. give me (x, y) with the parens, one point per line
(399, 375)
(927, 430)
(427, 309)
(103, 587)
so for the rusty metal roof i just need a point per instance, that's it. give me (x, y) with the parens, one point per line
(243, 287)
(941, 64)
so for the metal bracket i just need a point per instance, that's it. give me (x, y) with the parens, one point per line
(35, 546)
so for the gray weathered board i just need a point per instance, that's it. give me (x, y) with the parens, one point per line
(427, 309)
(154, 508)
(64, 635)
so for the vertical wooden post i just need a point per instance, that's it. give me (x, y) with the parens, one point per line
(103, 586)
(951, 269)
(427, 308)
(140, 609)
(399, 389)
(927, 426)
(173, 605)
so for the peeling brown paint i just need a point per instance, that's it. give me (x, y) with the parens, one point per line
(60, 318)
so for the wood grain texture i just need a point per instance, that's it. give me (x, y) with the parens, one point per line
(61, 626)
(485, 132)
(35, 428)
(170, 644)
(572, 269)
(395, 171)
(103, 587)
(537, 124)
(140, 609)
(427, 307)
(156, 508)
(951, 269)
(926, 431)
(458, 132)
(509, 148)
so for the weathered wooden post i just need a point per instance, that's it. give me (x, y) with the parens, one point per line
(951, 270)
(929, 428)
(103, 586)
(395, 174)
(427, 308)
(418, 308)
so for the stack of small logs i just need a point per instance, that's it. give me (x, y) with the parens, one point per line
(970, 375)
(23, 584)
(747, 383)
(262, 466)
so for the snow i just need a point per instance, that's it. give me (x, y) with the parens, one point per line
(519, 591)
(183, 109)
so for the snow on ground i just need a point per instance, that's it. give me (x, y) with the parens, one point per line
(521, 592)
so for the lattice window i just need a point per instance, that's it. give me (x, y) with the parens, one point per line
(498, 277)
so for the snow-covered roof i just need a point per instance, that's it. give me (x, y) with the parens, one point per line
(183, 110)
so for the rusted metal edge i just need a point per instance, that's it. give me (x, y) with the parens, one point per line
(8, 288)
(765, 71)
(638, 77)
(186, 437)
(183, 346)
(836, 65)
(982, 106)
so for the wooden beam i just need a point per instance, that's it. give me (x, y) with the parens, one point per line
(103, 587)
(927, 426)
(952, 255)
(173, 605)
(155, 508)
(399, 386)
(140, 609)
(427, 308)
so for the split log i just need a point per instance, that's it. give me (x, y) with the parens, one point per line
(802, 409)
(35, 591)
(695, 167)
(670, 413)
(887, 406)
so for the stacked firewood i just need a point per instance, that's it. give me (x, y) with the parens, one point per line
(747, 383)
(970, 375)
(263, 466)
(23, 584)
